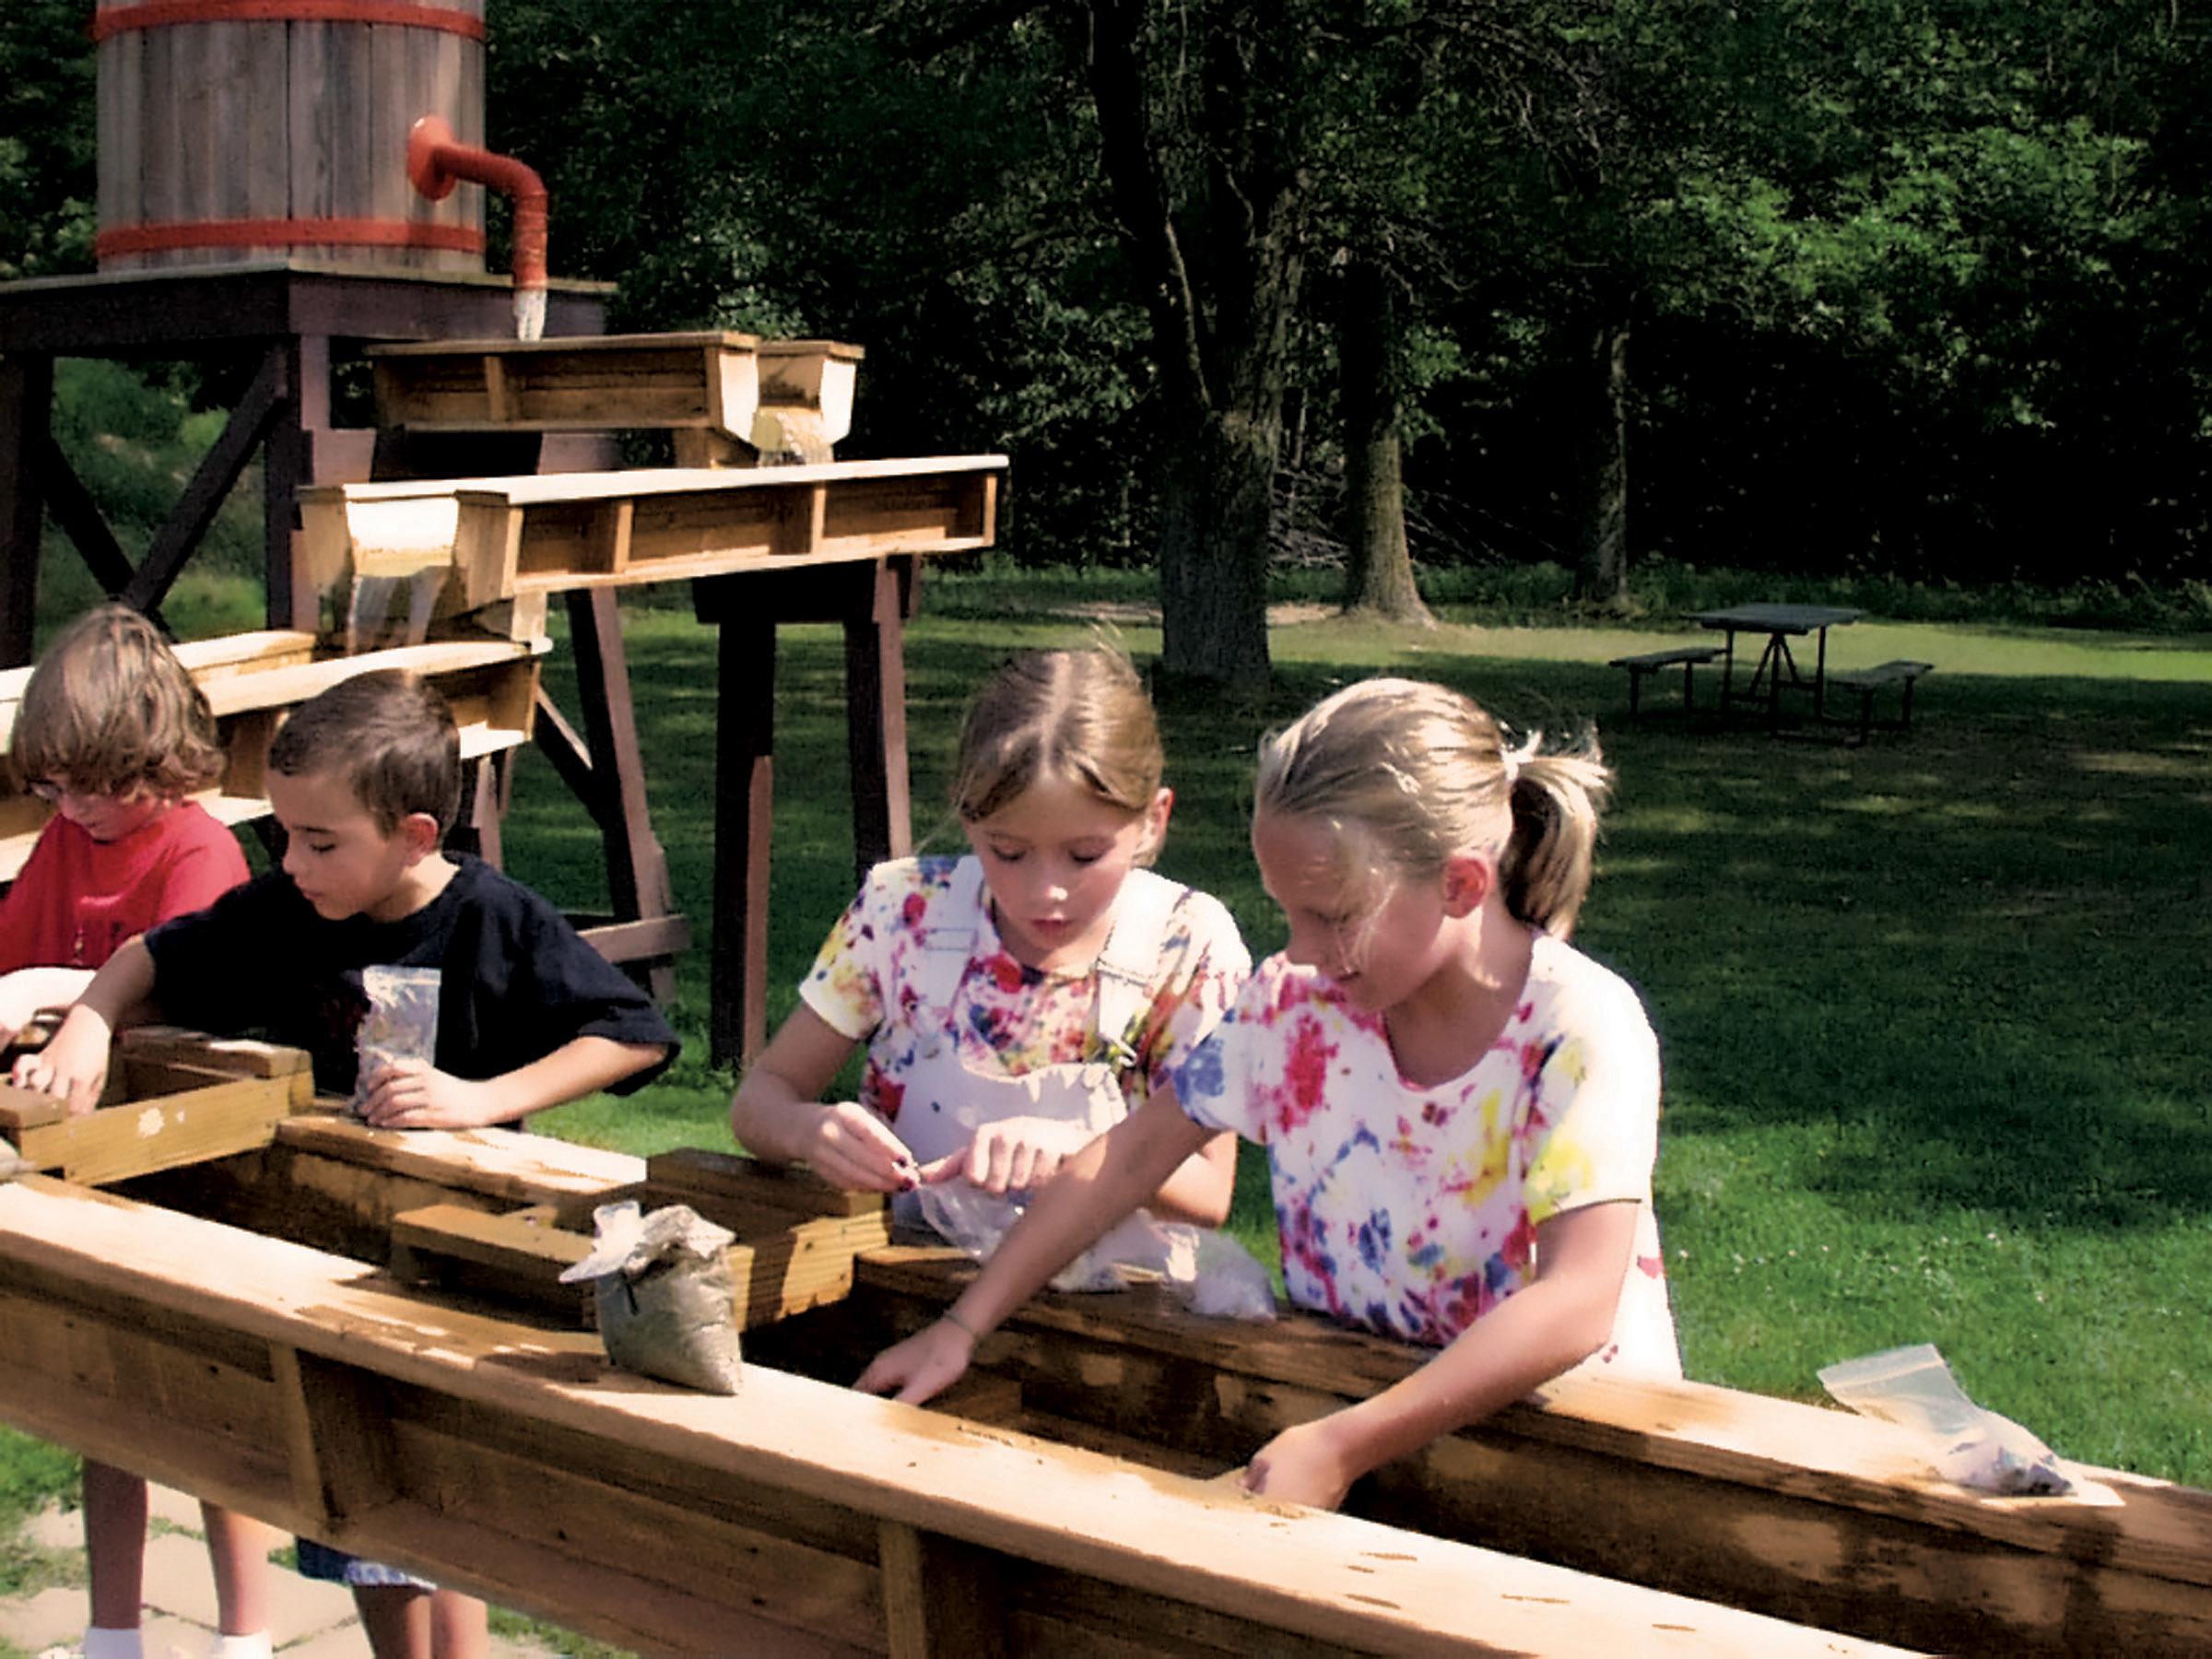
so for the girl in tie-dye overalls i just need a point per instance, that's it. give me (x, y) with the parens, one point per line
(1020, 1000)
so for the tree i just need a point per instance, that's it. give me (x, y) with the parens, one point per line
(46, 139)
(1205, 148)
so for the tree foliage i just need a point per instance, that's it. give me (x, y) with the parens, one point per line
(1914, 286)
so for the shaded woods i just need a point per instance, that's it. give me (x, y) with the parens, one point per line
(1905, 287)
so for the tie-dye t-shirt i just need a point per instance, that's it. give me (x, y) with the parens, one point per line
(1007, 1015)
(1412, 1211)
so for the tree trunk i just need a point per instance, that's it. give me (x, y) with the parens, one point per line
(1220, 315)
(1378, 570)
(1601, 573)
(1216, 503)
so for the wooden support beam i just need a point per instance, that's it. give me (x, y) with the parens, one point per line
(81, 521)
(251, 423)
(942, 1599)
(515, 1463)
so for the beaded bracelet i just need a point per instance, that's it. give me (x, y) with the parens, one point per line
(961, 1325)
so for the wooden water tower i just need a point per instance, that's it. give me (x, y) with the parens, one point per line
(254, 209)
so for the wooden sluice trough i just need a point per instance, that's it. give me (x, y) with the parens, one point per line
(457, 1415)
(494, 540)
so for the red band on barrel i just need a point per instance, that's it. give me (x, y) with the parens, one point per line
(160, 14)
(286, 233)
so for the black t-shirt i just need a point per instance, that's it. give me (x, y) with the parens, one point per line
(516, 982)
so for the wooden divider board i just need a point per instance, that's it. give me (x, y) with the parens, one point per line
(795, 1518)
(252, 681)
(173, 1097)
(768, 396)
(502, 539)
(1794, 1510)
(785, 1259)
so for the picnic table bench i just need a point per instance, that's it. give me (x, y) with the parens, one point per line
(1650, 662)
(1868, 682)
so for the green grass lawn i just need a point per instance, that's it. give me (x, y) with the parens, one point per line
(1933, 1011)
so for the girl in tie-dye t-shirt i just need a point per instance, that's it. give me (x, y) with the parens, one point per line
(1460, 1110)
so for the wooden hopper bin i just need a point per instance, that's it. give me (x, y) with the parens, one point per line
(730, 399)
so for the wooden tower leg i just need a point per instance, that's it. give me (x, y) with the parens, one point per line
(744, 772)
(26, 412)
(875, 718)
(637, 868)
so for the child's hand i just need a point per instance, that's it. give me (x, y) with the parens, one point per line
(413, 1094)
(850, 1147)
(74, 1066)
(1012, 1155)
(922, 1367)
(1301, 1465)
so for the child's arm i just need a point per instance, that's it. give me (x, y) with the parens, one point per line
(1524, 1341)
(75, 1063)
(778, 1114)
(1019, 1153)
(1201, 1188)
(1099, 1186)
(29, 992)
(413, 1094)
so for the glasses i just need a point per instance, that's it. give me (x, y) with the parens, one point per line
(54, 793)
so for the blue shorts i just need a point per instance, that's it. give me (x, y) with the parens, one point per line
(336, 1567)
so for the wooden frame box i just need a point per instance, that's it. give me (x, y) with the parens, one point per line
(173, 1097)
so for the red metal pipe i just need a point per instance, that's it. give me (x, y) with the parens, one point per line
(436, 163)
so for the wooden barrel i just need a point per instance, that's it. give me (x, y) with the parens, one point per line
(240, 131)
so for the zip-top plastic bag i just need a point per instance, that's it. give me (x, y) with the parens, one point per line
(401, 1024)
(1914, 1389)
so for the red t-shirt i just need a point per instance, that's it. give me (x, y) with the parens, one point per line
(76, 899)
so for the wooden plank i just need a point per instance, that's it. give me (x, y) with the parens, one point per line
(506, 1165)
(519, 1256)
(793, 1190)
(456, 1390)
(136, 1137)
(1761, 1503)
(241, 1055)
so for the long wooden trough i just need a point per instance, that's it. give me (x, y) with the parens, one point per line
(459, 1417)
(494, 540)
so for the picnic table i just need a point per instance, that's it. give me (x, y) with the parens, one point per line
(1777, 664)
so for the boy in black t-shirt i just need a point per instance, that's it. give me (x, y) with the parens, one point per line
(366, 781)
